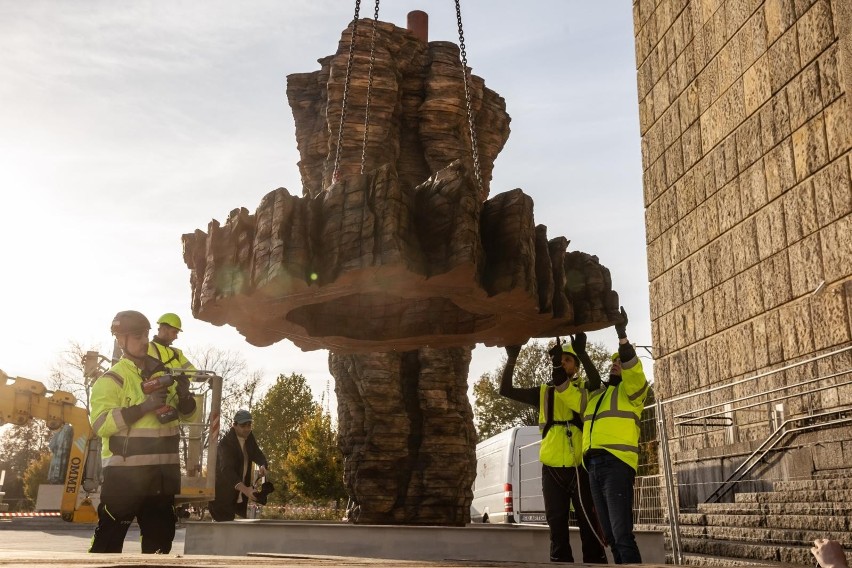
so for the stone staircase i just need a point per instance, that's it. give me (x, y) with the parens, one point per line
(770, 528)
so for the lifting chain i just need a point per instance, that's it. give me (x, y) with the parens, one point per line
(345, 92)
(369, 87)
(467, 95)
(473, 143)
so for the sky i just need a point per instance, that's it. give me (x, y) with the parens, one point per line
(124, 124)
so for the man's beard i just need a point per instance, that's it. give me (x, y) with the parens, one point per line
(614, 380)
(161, 341)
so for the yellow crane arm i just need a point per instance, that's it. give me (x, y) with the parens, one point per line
(22, 400)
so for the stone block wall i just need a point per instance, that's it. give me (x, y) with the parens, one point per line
(746, 120)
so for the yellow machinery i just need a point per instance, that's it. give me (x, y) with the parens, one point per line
(22, 400)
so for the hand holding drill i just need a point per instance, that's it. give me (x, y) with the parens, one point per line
(157, 389)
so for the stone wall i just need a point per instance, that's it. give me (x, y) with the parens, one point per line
(746, 127)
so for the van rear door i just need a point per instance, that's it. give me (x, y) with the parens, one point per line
(529, 501)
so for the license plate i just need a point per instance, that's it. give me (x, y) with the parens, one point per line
(533, 518)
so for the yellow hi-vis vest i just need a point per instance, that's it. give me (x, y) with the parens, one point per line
(171, 357)
(561, 446)
(611, 419)
(142, 457)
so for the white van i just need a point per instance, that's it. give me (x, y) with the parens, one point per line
(507, 488)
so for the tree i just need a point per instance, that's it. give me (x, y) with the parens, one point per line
(67, 373)
(34, 476)
(278, 418)
(239, 390)
(239, 385)
(20, 446)
(495, 413)
(314, 466)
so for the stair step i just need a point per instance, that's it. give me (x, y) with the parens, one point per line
(840, 473)
(780, 508)
(810, 484)
(836, 523)
(693, 559)
(765, 535)
(739, 520)
(788, 554)
(833, 523)
(796, 496)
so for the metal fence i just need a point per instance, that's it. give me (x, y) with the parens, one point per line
(743, 436)
(746, 434)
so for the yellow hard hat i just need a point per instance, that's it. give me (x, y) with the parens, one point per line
(614, 356)
(170, 319)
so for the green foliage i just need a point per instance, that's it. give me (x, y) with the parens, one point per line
(314, 466)
(35, 475)
(19, 447)
(278, 417)
(494, 413)
(239, 385)
(296, 511)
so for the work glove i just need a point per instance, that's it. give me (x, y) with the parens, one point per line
(621, 327)
(556, 354)
(578, 342)
(154, 401)
(183, 386)
(512, 351)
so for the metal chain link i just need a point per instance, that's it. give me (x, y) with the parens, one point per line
(369, 87)
(473, 142)
(345, 92)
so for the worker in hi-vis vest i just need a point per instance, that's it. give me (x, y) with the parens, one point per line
(136, 409)
(611, 446)
(161, 348)
(560, 403)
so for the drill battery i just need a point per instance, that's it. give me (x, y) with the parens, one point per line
(165, 413)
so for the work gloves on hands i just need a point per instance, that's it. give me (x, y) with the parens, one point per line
(183, 387)
(558, 375)
(154, 401)
(621, 327)
(578, 342)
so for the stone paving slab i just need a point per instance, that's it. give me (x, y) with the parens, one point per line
(37, 559)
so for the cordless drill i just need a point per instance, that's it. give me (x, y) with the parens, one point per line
(165, 413)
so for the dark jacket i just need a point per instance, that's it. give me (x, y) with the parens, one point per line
(229, 468)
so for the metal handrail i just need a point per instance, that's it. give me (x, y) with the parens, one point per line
(779, 435)
(761, 403)
(754, 377)
(771, 391)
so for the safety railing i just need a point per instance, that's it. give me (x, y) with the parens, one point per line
(713, 441)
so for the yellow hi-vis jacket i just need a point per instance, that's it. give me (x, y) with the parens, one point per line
(171, 357)
(611, 418)
(139, 458)
(561, 445)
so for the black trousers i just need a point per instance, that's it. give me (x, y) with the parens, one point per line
(154, 513)
(561, 487)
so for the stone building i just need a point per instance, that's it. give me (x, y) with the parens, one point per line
(746, 126)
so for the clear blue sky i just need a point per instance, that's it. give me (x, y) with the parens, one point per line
(125, 124)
